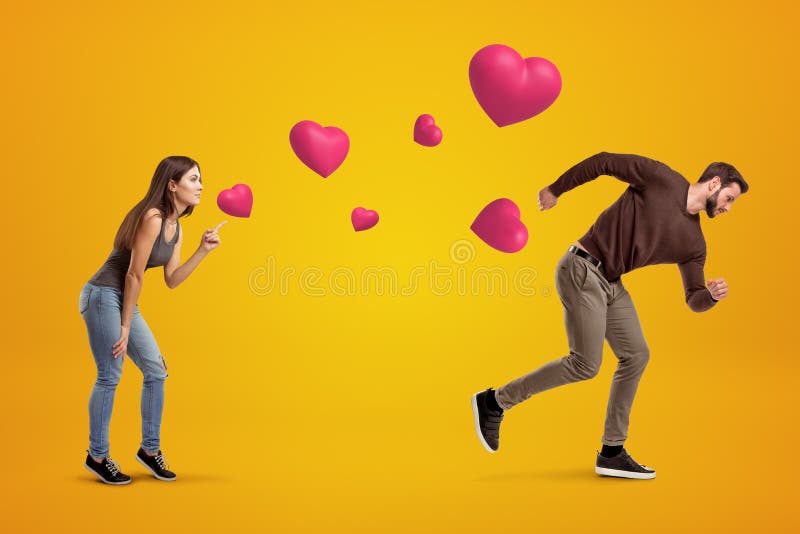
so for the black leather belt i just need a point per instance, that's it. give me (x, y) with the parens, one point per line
(585, 255)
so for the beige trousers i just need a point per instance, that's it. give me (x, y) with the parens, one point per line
(594, 309)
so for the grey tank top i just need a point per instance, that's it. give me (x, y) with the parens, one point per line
(113, 271)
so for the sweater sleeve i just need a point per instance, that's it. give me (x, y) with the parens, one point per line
(634, 170)
(698, 297)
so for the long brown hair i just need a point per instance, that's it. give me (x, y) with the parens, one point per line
(158, 196)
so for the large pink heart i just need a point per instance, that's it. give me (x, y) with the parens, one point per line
(511, 89)
(236, 201)
(499, 226)
(321, 149)
(426, 133)
(363, 219)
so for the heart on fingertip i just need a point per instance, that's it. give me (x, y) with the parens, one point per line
(236, 201)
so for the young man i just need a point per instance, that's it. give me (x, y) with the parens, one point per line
(654, 221)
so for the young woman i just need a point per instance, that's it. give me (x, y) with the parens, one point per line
(149, 236)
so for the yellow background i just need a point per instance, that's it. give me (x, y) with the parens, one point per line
(295, 413)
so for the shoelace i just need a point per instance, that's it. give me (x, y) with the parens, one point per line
(112, 466)
(161, 461)
(634, 461)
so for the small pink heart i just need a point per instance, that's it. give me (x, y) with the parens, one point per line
(321, 149)
(363, 219)
(426, 133)
(236, 201)
(499, 226)
(511, 89)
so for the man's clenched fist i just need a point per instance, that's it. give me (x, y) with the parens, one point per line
(718, 288)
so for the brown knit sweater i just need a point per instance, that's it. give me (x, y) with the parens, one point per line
(647, 225)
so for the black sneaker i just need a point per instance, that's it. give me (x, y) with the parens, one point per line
(107, 470)
(487, 421)
(156, 464)
(623, 466)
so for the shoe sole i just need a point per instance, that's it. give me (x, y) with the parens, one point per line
(606, 472)
(104, 481)
(153, 472)
(478, 423)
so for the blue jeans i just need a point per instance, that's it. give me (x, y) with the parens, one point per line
(101, 309)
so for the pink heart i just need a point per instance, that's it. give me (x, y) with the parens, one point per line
(426, 133)
(321, 149)
(363, 219)
(498, 225)
(511, 89)
(236, 201)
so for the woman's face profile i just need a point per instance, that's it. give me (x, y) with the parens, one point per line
(188, 188)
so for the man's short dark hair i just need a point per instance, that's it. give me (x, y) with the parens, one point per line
(727, 175)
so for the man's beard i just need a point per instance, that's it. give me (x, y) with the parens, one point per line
(711, 205)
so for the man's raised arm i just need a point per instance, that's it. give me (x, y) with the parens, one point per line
(632, 169)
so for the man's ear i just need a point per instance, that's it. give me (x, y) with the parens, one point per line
(713, 183)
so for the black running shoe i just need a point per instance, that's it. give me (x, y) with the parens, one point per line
(623, 466)
(156, 464)
(107, 471)
(487, 421)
